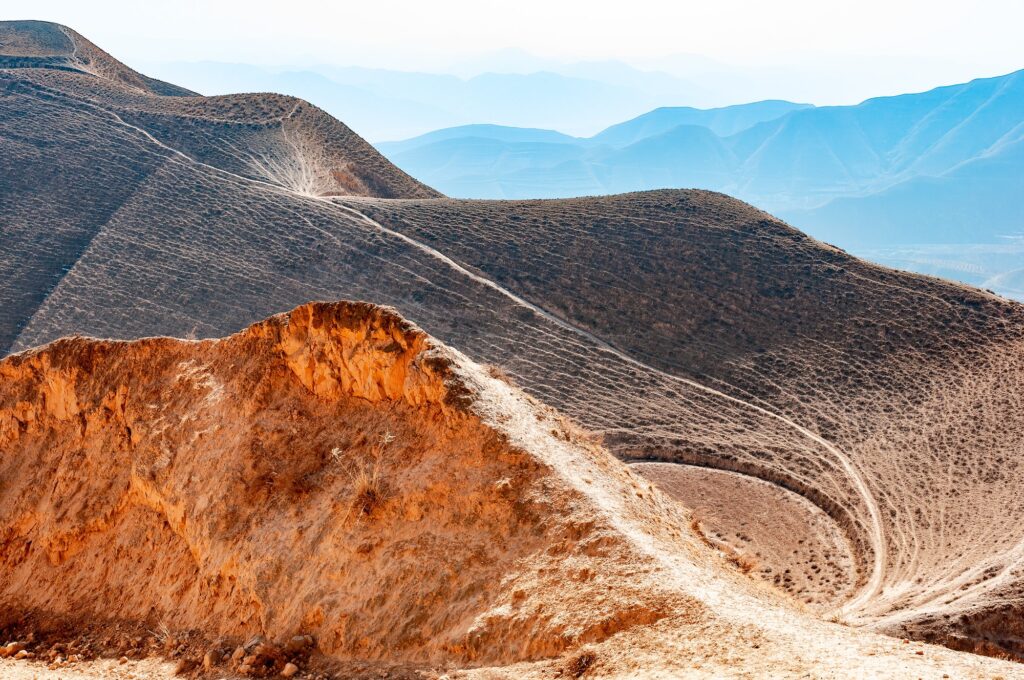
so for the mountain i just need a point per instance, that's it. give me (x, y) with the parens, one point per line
(943, 166)
(59, 198)
(785, 156)
(845, 433)
(389, 105)
(666, 148)
(812, 156)
(384, 114)
(500, 133)
(974, 201)
(723, 122)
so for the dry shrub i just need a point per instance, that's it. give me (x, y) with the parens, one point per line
(580, 664)
(742, 561)
(368, 493)
(367, 481)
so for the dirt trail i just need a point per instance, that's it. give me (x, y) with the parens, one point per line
(875, 535)
(877, 538)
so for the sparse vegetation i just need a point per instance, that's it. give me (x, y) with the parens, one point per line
(580, 664)
(367, 483)
(499, 373)
(162, 633)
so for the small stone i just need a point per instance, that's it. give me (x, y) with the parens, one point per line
(289, 670)
(211, 659)
(244, 669)
(238, 654)
(13, 648)
(23, 654)
(184, 666)
(123, 660)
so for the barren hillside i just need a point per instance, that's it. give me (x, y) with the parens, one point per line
(334, 472)
(749, 370)
(83, 139)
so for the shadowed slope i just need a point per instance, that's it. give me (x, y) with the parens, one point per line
(80, 135)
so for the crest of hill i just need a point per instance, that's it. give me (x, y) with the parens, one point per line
(41, 44)
(280, 140)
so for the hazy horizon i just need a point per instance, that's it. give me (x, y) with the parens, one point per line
(812, 52)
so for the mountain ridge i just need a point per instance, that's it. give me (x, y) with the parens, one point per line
(372, 471)
(891, 171)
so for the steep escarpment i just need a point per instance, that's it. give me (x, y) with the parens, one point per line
(321, 472)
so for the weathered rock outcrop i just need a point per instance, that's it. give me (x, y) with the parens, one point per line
(320, 472)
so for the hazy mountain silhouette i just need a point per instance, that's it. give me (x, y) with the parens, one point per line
(724, 121)
(387, 105)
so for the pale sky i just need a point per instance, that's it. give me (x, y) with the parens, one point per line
(987, 31)
(976, 37)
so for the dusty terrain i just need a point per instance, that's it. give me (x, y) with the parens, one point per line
(795, 546)
(336, 473)
(879, 413)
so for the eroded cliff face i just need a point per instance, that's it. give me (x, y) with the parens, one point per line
(321, 472)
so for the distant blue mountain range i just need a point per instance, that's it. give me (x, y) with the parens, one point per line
(904, 174)
(383, 104)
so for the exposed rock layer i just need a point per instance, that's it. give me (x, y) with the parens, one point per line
(319, 472)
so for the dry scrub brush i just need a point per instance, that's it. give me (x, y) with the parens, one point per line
(368, 488)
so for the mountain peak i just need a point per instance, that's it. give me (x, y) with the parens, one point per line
(46, 45)
(273, 139)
